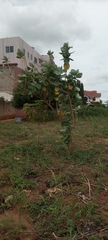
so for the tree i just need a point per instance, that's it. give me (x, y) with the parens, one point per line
(21, 97)
(106, 103)
(81, 87)
(54, 83)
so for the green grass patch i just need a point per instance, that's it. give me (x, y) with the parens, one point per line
(34, 160)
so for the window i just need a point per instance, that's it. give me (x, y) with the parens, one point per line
(9, 49)
(24, 51)
(31, 57)
(28, 54)
(35, 60)
(40, 61)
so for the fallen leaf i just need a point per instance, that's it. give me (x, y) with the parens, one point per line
(54, 190)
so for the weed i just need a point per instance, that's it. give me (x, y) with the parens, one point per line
(86, 211)
(9, 229)
(93, 237)
(55, 215)
(84, 156)
(18, 181)
(71, 228)
(55, 180)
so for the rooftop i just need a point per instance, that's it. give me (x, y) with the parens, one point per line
(92, 94)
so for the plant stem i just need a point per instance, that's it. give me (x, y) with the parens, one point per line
(71, 109)
(70, 144)
(55, 112)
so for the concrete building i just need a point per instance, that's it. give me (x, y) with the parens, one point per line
(9, 47)
(9, 77)
(92, 96)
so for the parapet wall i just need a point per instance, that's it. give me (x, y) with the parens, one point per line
(7, 111)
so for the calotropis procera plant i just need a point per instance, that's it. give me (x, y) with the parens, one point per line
(53, 83)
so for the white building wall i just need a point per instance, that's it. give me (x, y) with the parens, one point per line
(97, 99)
(45, 57)
(17, 42)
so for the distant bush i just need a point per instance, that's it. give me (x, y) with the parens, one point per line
(20, 98)
(88, 111)
(38, 111)
(98, 104)
(2, 100)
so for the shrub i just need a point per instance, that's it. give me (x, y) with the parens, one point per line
(38, 111)
(20, 98)
(98, 104)
(2, 100)
(93, 111)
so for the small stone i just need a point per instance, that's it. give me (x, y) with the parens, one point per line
(9, 198)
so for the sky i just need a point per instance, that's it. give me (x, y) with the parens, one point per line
(48, 24)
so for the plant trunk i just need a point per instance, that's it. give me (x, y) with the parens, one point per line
(38, 135)
(70, 146)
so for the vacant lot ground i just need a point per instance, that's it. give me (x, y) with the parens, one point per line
(47, 192)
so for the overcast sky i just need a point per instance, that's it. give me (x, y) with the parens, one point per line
(47, 24)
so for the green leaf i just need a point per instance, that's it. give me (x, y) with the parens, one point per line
(45, 84)
(5, 59)
(77, 89)
(66, 140)
(61, 95)
(56, 83)
(20, 53)
(79, 75)
(21, 77)
(56, 72)
(50, 53)
(71, 58)
(63, 130)
(65, 123)
(31, 65)
(38, 86)
(73, 71)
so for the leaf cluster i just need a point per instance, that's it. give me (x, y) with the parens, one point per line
(20, 53)
(65, 53)
(5, 59)
(36, 111)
